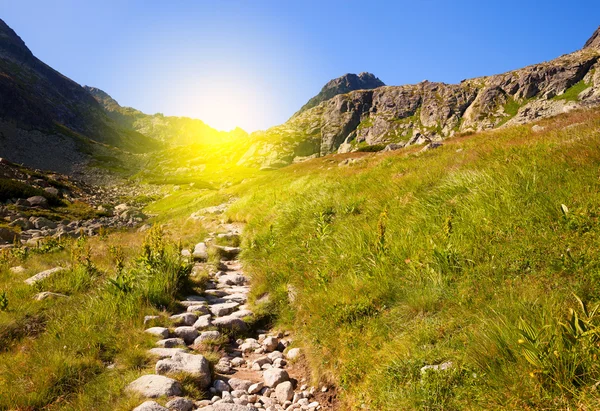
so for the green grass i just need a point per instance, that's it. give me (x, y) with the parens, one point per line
(14, 189)
(407, 260)
(572, 93)
(55, 353)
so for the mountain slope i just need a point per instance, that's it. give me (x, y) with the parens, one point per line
(48, 120)
(342, 85)
(170, 130)
(429, 111)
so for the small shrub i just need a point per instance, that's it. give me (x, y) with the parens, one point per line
(3, 301)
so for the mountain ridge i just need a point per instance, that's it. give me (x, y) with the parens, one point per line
(398, 116)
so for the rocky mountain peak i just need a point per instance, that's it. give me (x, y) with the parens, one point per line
(11, 44)
(103, 98)
(342, 85)
(594, 41)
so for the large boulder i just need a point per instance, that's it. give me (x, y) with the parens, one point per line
(164, 352)
(275, 376)
(154, 386)
(192, 364)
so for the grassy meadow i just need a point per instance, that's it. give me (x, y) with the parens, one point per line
(482, 253)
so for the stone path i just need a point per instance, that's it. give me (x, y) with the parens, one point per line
(252, 373)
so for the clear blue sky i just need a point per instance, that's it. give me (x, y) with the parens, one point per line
(253, 63)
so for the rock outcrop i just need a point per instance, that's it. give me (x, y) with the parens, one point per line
(430, 111)
(342, 85)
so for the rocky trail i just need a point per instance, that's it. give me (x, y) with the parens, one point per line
(258, 373)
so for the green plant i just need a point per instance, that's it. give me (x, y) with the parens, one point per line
(3, 301)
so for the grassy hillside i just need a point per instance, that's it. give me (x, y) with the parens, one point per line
(483, 252)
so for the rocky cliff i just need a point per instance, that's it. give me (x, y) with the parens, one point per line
(429, 111)
(46, 119)
(342, 85)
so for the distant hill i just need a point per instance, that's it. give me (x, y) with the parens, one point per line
(49, 121)
(429, 111)
(169, 130)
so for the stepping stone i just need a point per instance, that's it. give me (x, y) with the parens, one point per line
(150, 406)
(171, 343)
(43, 275)
(242, 314)
(203, 322)
(165, 352)
(238, 298)
(154, 386)
(184, 319)
(232, 279)
(158, 331)
(189, 334)
(193, 364)
(198, 309)
(180, 404)
(207, 336)
(215, 293)
(220, 310)
(230, 323)
(223, 406)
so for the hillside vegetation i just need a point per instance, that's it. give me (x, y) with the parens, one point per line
(482, 253)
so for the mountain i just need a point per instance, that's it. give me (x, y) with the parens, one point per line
(170, 130)
(342, 85)
(49, 121)
(431, 111)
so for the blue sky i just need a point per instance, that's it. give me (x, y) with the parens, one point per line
(253, 63)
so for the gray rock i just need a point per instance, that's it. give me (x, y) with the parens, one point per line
(275, 376)
(284, 392)
(52, 191)
(200, 252)
(180, 404)
(203, 322)
(230, 323)
(43, 275)
(149, 318)
(158, 331)
(239, 384)
(171, 343)
(227, 253)
(220, 310)
(184, 319)
(293, 353)
(37, 201)
(207, 336)
(193, 364)
(255, 388)
(270, 344)
(189, 334)
(154, 386)
(221, 386)
(198, 310)
(150, 406)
